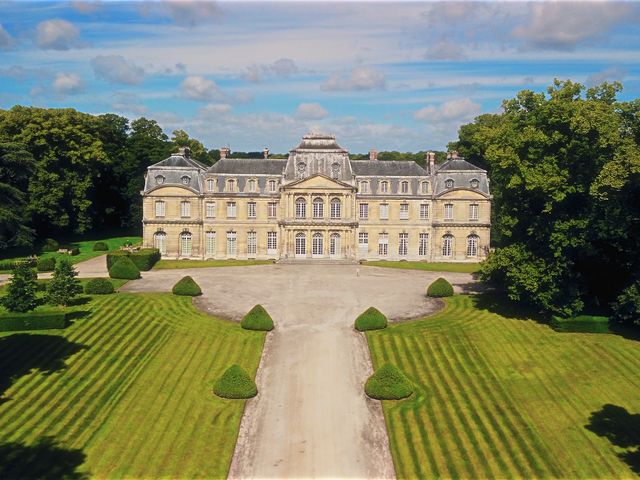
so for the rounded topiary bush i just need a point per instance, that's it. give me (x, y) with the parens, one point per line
(100, 247)
(257, 319)
(99, 286)
(371, 319)
(388, 383)
(46, 264)
(235, 383)
(50, 245)
(187, 286)
(124, 268)
(440, 288)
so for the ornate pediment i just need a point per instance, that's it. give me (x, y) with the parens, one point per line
(318, 181)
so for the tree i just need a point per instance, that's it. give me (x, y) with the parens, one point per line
(64, 287)
(21, 292)
(16, 166)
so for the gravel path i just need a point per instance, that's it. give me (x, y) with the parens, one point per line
(94, 267)
(311, 418)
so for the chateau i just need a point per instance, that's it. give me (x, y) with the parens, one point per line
(317, 204)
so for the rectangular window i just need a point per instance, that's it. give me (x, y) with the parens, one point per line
(318, 208)
(272, 186)
(424, 211)
(473, 211)
(404, 187)
(211, 184)
(363, 241)
(160, 210)
(364, 211)
(272, 242)
(384, 187)
(383, 244)
(251, 210)
(232, 244)
(335, 208)
(448, 211)
(185, 209)
(210, 243)
(231, 209)
(272, 209)
(211, 209)
(423, 244)
(403, 244)
(404, 211)
(384, 211)
(252, 244)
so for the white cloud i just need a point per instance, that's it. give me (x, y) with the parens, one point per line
(610, 74)
(360, 78)
(129, 103)
(200, 88)
(458, 110)
(214, 110)
(116, 69)
(5, 38)
(564, 25)
(310, 111)
(444, 50)
(56, 34)
(67, 84)
(280, 68)
(86, 7)
(185, 13)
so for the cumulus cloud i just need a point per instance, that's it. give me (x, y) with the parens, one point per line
(444, 50)
(310, 111)
(5, 38)
(116, 69)
(185, 13)
(86, 7)
(458, 110)
(610, 74)
(199, 88)
(214, 110)
(360, 78)
(564, 25)
(67, 84)
(280, 68)
(56, 34)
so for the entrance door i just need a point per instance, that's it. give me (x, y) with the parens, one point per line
(334, 246)
(317, 245)
(301, 245)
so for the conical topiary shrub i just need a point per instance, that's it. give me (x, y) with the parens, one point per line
(388, 383)
(257, 319)
(124, 268)
(440, 288)
(235, 383)
(187, 286)
(370, 319)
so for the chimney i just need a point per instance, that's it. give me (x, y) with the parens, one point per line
(431, 159)
(265, 152)
(373, 154)
(224, 151)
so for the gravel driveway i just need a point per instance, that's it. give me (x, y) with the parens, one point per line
(311, 418)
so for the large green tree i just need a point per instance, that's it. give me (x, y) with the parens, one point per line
(16, 167)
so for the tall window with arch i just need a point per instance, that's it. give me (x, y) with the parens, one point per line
(364, 187)
(318, 208)
(160, 242)
(251, 185)
(334, 244)
(231, 185)
(210, 243)
(447, 245)
(185, 244)
(301, 244)
(384, 187)
(404, 186)
(211, 184)
(317, 245)
(232, 243)
(472, 245)
(301, 208)
(273, 186)
(336, 208)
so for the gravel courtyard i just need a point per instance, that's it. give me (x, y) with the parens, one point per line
(311, 418)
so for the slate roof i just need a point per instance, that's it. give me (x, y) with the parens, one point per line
(315, 141)
(176, 160)
(249, 166)
(457, 163)
(399, 168)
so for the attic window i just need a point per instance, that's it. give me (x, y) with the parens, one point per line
(159, 180)
(301, 169)
(186, 180)
(474, 183)
(335, 170)
(448, 183)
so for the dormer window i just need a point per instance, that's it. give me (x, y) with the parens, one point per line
(335, 170)
(424, 188)
(301, 169)
(384, 187)
(251, 185)
(404, 187)
(159, 180)
(475, 183)
(364, 187)
(211, 184)
(448, 183)
(186, 180)
(272, 185)
(231, 185)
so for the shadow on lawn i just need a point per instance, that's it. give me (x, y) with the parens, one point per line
(23, 352)
(44, 460)
(622, 429)
(494, 302)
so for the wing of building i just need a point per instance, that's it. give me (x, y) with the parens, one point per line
(317, 204)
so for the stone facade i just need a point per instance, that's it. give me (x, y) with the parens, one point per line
(317, 204)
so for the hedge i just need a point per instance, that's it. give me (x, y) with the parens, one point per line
(257, 319)
(50, 245)
(581, 324)
(186, 286)
(388, 383)
(46, 264)
(99, 286)
(440, 288)
(124, 268)
(11, 322)
(144, 258)
(11, 264)
(370, 319)
(235, 383)
(100, 247)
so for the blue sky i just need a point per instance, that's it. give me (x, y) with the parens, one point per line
(391, 76)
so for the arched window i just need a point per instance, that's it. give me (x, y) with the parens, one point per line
(185, 244)
(317, 244)
(301, 244)
(211, 184)
(231, 185)
(404, 186)
(159, 180)
(272, 185)
(160, 242)
(384, 187)
(448, 183)
(185, 209)
(186, 180)
(160, 208)
(336, 207)
(251, 185)
(447, 245)
(364, 187)
(301, 208)
(472, 246)
(334, 244)
(210, 243)
(475, 183)
(318, 208)
(424, 188)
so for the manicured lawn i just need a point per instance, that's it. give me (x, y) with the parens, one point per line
(430, 266)
(173, 264)
(124, 392)
(501, 397)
